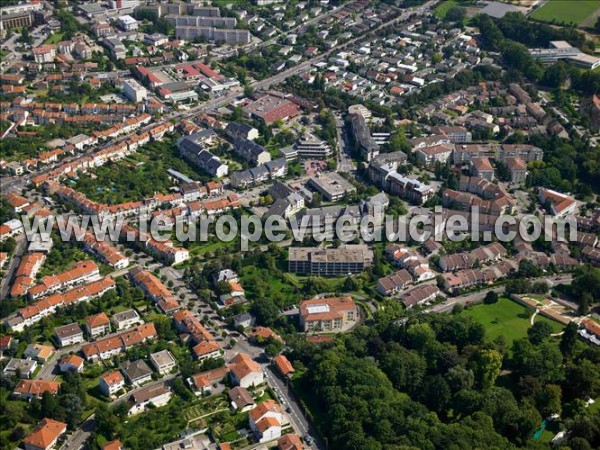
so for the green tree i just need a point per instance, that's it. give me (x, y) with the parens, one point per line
(568, 340)
(490, 298)
(487, 368)
(539, 332)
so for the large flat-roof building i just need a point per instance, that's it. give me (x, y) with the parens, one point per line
(271, 108)
(328, 314)
(339, 261)
(332, 186)
(562, 50)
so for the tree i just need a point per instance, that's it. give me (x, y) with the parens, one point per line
(568, 340)
(490, 298)
(584, 304)
(487, 368)
(548, 400)
(456, 13)
(539, 332)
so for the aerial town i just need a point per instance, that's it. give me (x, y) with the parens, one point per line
(434, 169)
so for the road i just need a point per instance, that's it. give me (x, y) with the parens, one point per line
(344, 160)
(12, 265)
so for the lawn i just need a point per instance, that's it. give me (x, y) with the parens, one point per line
(55, 38)
(566, 11)
(442, 9)
(506, 318)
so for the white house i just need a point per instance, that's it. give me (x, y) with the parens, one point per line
(245, 372)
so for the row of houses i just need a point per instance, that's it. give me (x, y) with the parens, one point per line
(110, 346)
(35, 312)
(468, 260)
(82, 272)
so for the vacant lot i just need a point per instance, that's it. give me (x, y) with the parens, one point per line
(506, 318)
(566, 11)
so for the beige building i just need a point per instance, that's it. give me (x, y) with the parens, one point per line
(328, 314)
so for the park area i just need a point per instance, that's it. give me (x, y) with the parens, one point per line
(506, 318)
(579, 12)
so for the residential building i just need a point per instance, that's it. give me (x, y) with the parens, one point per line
(428, 156)
(328, 314)
(127, 23)
(71, 363)
(290, 442)
(265, 421)
(153, 395)
(240, 399)
(68, 334)
(45, 436)
(24, 368)
(30, 389)
(112, 382)
(113, 345)
(244, 371)
(420, 295)
(134, 91)
(97, 325)
(482, 168)
(136, 372)
(369, 149)
(191, 149)
(115, 47)
(82, 272)
(212, 34)
(251, 151)
(590, 107)
(202, 383)
(517, 169)
(241, 131)
(392, 284)
(284, 366)
(164, 362)
(39, 352)
(207, 349)
(126, 319)
(339, 261)
(560, 204)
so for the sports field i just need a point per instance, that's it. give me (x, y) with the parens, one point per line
(507, 318)
(567, 11)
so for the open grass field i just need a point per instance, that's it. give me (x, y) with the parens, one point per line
(506, 318)
(566, 11)
(442, 9)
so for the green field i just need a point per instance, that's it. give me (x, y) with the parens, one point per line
(566, 11)
(442, 9)
(506, 318)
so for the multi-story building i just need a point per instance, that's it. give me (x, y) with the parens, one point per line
(69, 334)
(111, 382)
(244, 371)
(134, 91)
(328, 314)
(369, 149)
(309, 146)
(330, 261)
(228, 36)
(332, 186)
(97, 325)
